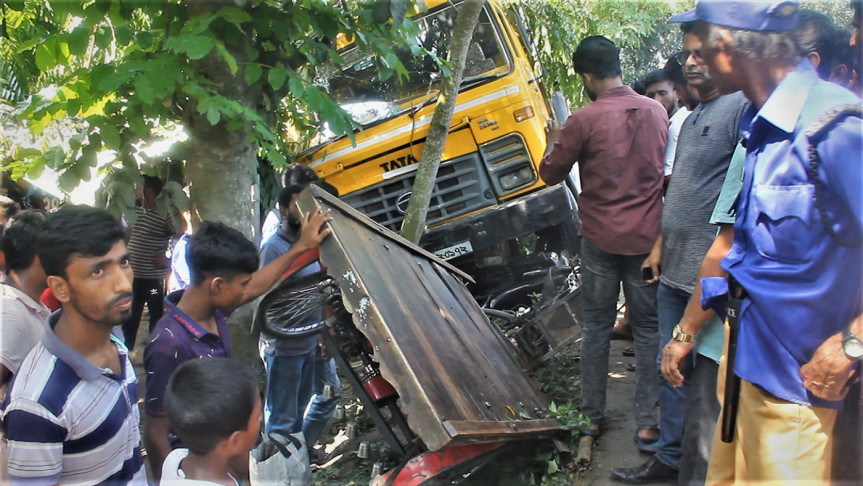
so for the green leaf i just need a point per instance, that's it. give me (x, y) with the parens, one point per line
(38, 124)
(37, 165)
(397, 10)
(103, 37)
(68, 180)
(123, 34)
(295, 84)
(144, 39)
(54, 157)
(252, 53)
(79, 39)
(110, 136)
(227, 56)
(213, 115)
(45, 59)
(552, 467)
(194, 46)
(235, 16)
(144, 89)
(199, 24)
(139, 127)
(277, 76)
(252, 73)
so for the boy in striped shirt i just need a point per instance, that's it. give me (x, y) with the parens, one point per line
(71, 414)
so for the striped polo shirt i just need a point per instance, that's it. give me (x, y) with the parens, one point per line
(70, 422)
(148, 242)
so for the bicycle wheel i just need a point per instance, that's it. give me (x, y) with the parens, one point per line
(294, 309)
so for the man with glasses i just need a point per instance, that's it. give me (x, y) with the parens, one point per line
(793, 267)
(706, 143)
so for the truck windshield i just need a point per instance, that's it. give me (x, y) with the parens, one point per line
(358, 90)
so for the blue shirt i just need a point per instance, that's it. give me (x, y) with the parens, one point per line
(278, 245)
(176, 339)
(803, 286)
(181, 276)
(69, 421)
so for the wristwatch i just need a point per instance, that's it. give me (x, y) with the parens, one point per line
(852, 345)
(678, 335)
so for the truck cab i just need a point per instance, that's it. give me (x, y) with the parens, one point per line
(488, 194)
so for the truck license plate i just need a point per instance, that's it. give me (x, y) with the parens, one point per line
(453, 251)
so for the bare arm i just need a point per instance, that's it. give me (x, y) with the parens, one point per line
(156, 441)
(694, 317)
(562, 151)
(311, 236)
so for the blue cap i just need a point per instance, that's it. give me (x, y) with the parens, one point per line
(752, 15)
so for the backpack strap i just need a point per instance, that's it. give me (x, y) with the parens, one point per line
(815, 133)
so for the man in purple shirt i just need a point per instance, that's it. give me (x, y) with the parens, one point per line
(619, 143)
(225, 275)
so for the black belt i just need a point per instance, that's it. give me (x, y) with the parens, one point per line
(736, 294)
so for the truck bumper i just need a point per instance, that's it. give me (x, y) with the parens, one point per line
(527, 214)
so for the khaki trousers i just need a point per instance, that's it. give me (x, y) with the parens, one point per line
(775, 441)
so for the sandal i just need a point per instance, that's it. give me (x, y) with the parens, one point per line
(647, 445)
(629, 351)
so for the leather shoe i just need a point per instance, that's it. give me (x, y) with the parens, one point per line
(651, 471)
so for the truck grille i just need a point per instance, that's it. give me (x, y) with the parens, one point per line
(461, 187)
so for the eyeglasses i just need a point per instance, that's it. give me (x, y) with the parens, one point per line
(682, 56)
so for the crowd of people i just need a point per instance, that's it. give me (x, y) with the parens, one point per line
(723, 190)
(750, 256)
(70, 412)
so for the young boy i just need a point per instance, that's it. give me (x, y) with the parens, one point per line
(214, 408)
(225, 275)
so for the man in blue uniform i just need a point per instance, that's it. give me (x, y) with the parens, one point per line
(796, 255)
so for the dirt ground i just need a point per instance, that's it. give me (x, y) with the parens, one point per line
(616, 448)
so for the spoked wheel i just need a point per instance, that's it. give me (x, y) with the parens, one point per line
(295, 308)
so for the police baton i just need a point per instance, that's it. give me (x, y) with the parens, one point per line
(736, 293)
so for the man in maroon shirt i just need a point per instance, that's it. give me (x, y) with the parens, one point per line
(619, 143)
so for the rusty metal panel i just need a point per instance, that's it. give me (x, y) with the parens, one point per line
(456, 374)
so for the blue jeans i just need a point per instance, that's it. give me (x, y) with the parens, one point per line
(289, 387)
(602, 273)
(671, 304)
(321, 409)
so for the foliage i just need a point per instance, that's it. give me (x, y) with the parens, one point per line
(124, 69)
(639, 27)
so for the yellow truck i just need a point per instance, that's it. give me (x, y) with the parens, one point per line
(487, 192)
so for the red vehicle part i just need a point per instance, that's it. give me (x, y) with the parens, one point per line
(432, 465)
(301, 261)
(378, 388)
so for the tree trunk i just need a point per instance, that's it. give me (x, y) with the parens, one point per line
(222, 169)
(417, 210)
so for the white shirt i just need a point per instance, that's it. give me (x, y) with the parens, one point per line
(173, 474)
(674, 124)
(23, 323)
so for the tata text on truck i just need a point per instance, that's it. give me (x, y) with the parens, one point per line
(487, 191)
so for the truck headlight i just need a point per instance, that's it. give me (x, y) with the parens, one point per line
(516, 178)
